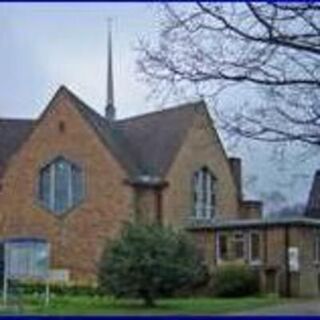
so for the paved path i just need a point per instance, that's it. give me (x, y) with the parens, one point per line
(311, 307)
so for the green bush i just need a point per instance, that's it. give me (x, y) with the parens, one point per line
(235, 281)
(149, 261)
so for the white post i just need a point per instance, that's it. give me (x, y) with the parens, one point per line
(47, 298)
(5, 290)
(5, 280)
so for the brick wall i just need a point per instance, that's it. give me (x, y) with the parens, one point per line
(272, 269)
(201, 147)
(78, 237)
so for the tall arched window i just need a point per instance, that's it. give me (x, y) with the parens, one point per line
(204, 194)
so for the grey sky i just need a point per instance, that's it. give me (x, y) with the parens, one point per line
(45, 45)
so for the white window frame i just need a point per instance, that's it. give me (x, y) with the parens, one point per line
(200, 205)
(218, 252)
(251, 260)
(242, 240)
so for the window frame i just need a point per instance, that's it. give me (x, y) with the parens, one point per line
(235, 242)
(316, 247)
(23, 255)
(202, 199)
(219, 257)
(50, 164)
(55, 187)
(252, 261)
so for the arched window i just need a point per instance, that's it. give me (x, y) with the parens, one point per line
(60, 185)
(204, 194)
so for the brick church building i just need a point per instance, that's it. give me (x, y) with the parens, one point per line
(73, 177)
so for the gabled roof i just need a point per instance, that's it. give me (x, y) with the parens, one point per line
(313, 205)
(144, 145)
(156, 137)
(12, 135)
(110, 136)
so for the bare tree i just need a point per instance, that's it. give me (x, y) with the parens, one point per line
(273, 48)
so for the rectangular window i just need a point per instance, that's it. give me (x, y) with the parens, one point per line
(196, 195)
(44, 187)
(316, 247)
(77, 186)
(222, 247)
(254, 247)
(212, 203)
(61, 186)
(238, 245)
(204, 199)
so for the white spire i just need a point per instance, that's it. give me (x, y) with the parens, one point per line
(110, 111)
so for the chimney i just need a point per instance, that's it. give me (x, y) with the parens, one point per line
(235, 164)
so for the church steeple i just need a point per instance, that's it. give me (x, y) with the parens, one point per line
(110, 111)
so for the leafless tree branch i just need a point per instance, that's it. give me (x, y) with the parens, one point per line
(272, 48)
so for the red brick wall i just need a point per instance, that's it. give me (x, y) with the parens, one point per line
(202, 147)
(78, 237)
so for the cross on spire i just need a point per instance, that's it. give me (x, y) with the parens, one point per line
(110, 111)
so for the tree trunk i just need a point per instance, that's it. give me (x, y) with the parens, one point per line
(149, 301)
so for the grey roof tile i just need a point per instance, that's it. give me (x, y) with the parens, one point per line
(144, 145)
(12, 134)
(313, 204)
(155, 138)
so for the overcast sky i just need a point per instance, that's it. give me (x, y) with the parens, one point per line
(45, 45)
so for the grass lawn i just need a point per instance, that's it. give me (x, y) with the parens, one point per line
(85, 305)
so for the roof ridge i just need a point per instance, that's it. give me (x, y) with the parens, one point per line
(125, 138)
(80, 101)
(164, 110)
(109, 134)
(183, 105)
(18, 119)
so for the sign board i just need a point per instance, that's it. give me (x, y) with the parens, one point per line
(26, 260)
(293, 259)
(59, 275)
